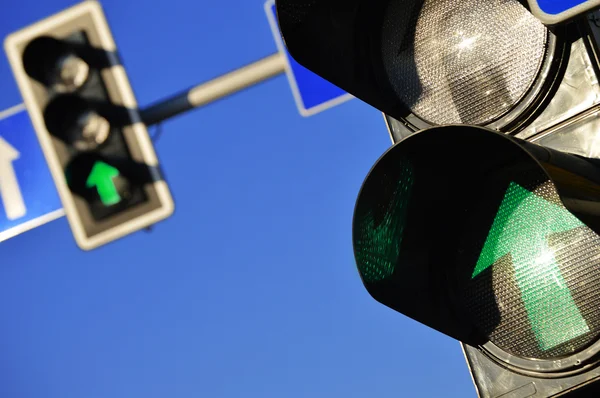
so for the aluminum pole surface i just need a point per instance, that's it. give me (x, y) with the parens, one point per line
(215, 89)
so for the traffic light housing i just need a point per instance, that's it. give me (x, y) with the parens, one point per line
(88, 124)
(493, 241)
(465, 225)
(434, 62)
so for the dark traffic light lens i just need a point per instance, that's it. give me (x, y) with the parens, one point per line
(55, 64)
(379, 228)
(77, 122)
(462, 61)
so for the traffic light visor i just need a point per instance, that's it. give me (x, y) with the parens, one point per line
(485, 238)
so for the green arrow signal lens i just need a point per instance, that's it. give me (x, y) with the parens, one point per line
(521, 228)
(102, 178)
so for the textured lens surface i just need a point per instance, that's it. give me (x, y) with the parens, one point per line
(378, 230)
(535, 288)
(461, 61)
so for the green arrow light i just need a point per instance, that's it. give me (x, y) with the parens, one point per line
(101, 177)
(521, 229)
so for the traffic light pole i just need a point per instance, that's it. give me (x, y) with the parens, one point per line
(215, 89)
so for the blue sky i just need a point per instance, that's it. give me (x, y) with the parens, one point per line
(250, 289)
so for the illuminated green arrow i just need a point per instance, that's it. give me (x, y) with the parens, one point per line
(101, 177)
(521, 228)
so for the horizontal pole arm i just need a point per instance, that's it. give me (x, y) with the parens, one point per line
(215, 89)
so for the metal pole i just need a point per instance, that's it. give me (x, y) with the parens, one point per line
(215, 89)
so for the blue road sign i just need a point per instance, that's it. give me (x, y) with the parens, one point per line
(312, 93)
(28, 197)
(556, 7)
(553, 12)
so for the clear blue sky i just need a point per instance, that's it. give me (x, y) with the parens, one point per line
(250, 289)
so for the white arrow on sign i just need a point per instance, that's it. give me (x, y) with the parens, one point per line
(10, 192)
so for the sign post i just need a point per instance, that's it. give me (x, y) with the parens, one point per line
(312, 93)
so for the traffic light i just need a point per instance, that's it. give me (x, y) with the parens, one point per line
(435, 62)
(493, 241)
(465, 225)
(87, 121)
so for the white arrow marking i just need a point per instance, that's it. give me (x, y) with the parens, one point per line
(10, 192)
